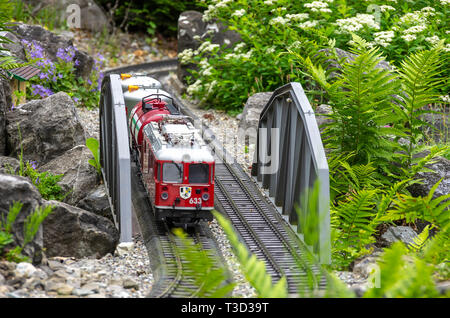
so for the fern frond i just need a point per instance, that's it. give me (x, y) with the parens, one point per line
(254, 269)
(419, 241)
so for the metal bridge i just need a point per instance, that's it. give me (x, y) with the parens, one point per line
(289, 160)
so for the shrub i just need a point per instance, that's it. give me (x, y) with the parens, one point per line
(150, 16)
(60, 76)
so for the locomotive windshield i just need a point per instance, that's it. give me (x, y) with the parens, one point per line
(172, 172)
(198, 173)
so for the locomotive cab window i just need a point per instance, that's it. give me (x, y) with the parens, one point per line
(172, 172)
(198, 173)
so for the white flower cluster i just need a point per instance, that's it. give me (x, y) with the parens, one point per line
(308, 24)
(356, 23)
(278, 20)
(297, 17)
(384, 8)
(194, 88)
(268, 2)
(239, 54)
(318, 6)
(186, 56)
(415, 17)
(206, 46)
(239, 47)
(445, 98)
(238, 13)
(433, 40)
(445, 2)
(205, 68)
(384, 38)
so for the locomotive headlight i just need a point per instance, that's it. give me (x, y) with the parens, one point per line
(205, 197)
(164, 195)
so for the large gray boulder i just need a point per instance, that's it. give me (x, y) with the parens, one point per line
(20, 189)
(92, 16)
(249, 118)
(97, 202)
(192, 31)
(49, 127)
(51, 43)
(72, 232)
(79, 176)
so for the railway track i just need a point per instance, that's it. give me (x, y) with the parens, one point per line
(164, 247)
(255, 219)
(262, 229)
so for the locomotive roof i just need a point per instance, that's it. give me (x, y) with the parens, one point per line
(175, 138)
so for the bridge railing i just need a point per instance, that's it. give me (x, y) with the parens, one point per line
(115, 154)
(289, 160)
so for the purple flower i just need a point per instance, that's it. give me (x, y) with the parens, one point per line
(13, 107)
(41, 90)
(76, 100)
(37, 181)
(33, 164)
(76, 63)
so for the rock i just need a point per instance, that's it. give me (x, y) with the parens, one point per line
(82, 292)
(321, 111)
(441, 169)
(5, 106)
(438, 129)
(51, 42)
(124, 248)
(20, 189)
(92, 16)
(25, 270)
(79, 176)
(97, 202)
(9, 165)
(2, 279)
(248, 124)
(49, 127)
(350, 57)
(7, 269)
(129, 283)
(71, 231)
(397, 233)
(191, 26)
(443, 287)
(364, 266)
(15, 48)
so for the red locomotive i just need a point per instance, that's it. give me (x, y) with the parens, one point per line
(176, 165)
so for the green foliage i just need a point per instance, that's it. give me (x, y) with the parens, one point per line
(30, 228)
(33, 221)
(150, 16)
(254, 269)
(354, 222)
(272, 28)
(94, 147)
(46, 183)
(420, 83)
(425, 208)
(47, 16)
(403, 275)
(199, 266)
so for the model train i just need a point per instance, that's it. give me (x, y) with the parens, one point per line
(177, 167)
